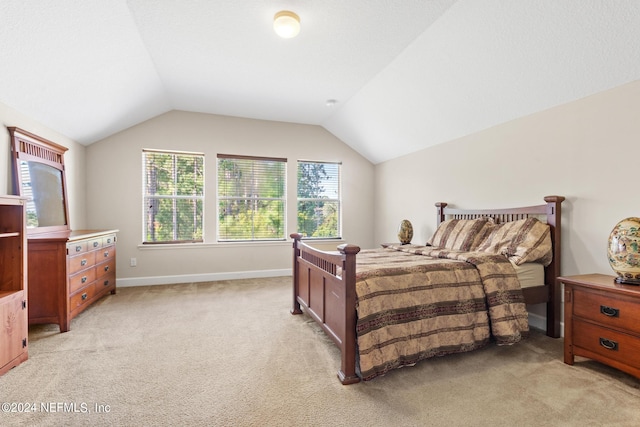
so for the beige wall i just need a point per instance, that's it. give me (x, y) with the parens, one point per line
(73, 159)
(114, 184)
(587, 151)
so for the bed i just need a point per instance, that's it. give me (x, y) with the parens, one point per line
(356, 296)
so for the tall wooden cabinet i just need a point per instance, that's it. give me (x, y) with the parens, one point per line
(69, 271)
(13, 282)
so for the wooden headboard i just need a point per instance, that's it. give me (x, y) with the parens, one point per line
(551, 213)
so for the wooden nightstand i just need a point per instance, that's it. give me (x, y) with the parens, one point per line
(602, 321)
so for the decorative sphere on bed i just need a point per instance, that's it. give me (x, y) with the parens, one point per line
(623, 251)
(405, 232)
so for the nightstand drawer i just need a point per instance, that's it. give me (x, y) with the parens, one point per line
(607, 342)
(612, 311)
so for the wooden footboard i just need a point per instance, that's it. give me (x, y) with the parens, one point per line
(324, 285)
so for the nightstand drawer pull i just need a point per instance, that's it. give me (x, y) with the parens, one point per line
(608, 344)
(609, 311)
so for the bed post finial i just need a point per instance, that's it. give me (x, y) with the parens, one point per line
(440, 216)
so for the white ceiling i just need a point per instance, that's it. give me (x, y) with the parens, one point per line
(406, 74)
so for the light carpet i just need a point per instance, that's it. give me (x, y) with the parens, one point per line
(229, 353)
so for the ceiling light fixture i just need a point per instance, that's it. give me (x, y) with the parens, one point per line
(286, 24)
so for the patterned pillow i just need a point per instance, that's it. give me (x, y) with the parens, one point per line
(460, 234)
(525, 240)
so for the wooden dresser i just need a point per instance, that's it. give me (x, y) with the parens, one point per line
(69, 271)
(13, 293)
(602, 321)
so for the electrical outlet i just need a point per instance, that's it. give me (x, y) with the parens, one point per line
(134, 262)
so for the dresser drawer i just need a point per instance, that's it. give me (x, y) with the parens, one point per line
(607, 343)
(82, 279)
(106, 283)
(613, 311)
(77, 248)
(105, 254)
(94, 244)
(81, 298)
(109, 240)
(81, 262)
(106, 268)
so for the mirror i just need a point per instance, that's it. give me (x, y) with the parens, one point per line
(39, 176)
(42, 185)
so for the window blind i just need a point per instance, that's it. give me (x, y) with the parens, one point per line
(251, 198)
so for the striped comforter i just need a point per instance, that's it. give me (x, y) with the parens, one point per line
(416, 302)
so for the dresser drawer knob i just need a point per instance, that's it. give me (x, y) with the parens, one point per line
(78, 248)
(106, 254)
(84, 297)
(609, 311)
(83, 262)
(106, 283)
(95, 244)
(84, 279)
(609, 344)
(106, 268)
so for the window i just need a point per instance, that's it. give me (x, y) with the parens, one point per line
(251, 198)
(173, 196)
(319, 199)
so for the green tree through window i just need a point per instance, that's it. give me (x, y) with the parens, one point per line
(173, 196)
(251, 198)
(319, 199)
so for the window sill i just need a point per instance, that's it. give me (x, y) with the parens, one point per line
(164, 246)
(261, 244)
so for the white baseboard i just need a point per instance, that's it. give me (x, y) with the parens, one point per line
(540, 322)
(124, 282)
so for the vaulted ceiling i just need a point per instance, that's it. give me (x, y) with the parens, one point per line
(405, 74)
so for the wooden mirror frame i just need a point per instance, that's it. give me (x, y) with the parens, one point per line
(37, 151)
